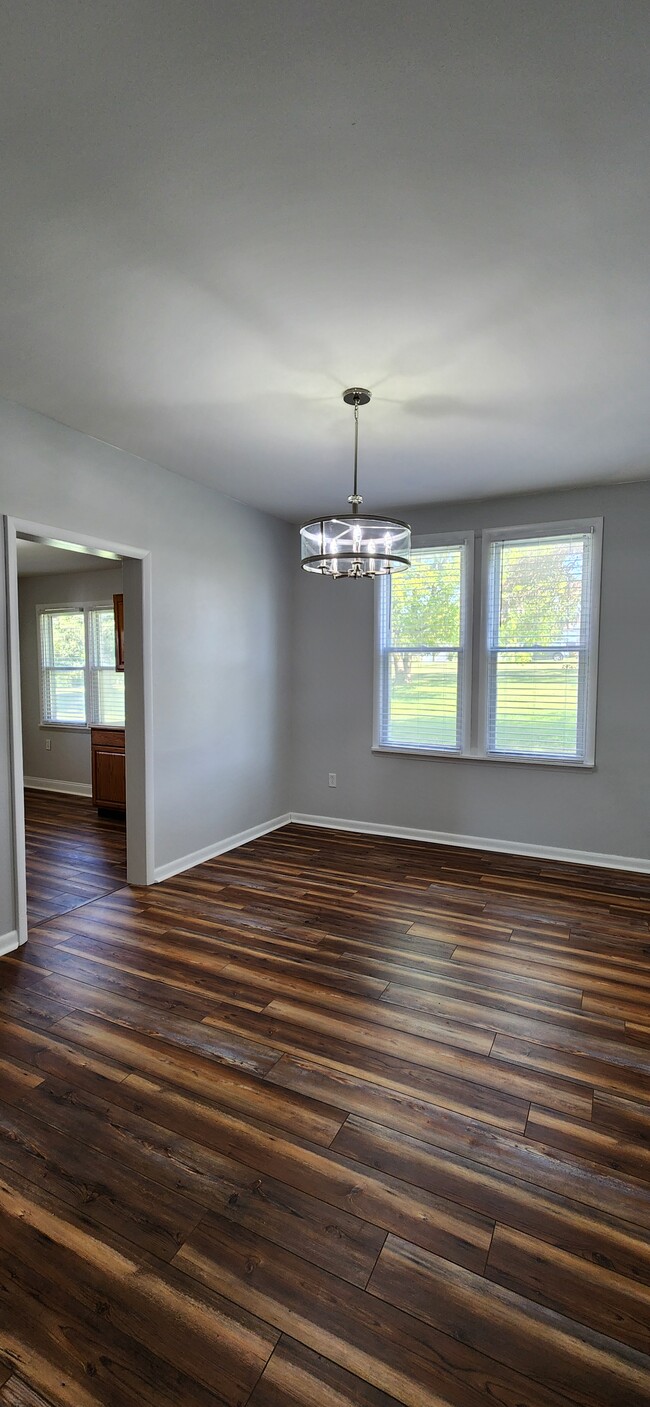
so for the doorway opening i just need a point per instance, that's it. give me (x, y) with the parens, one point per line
(80, 703)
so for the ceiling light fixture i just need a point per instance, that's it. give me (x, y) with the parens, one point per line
(355, 544)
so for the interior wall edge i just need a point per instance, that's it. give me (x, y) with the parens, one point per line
(9, 942)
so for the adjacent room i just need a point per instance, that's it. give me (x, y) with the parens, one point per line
(71, 644)
(324, 766)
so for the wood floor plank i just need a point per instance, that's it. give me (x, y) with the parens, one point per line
(295, 1028)
(573, 1031)
(627, 1080)
(557, 1217)
(577, 1136)
(296, 1377)
(59, 831)
(393, 1351)
(455, 1090)
(201, 1334)
(329, 1119)
(203, 1077)
(16, 1081)
(587, 1293)
(76, 1355)
(381, 1200)
(17, 1393)
(154, 1218)
(616, 1192)
(193, 1172)
(588, 1367)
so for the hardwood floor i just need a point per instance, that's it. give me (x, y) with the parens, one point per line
(331, 1120)
(73, 853)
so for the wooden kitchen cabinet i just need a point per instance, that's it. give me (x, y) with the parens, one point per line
(108, 765)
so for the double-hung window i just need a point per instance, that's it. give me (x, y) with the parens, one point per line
(79, 683)
(423, 630)
(521, 684)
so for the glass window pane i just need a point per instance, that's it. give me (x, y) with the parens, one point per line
(68, 645)
(426, 600)
(102, 635)
(108, 695)
(540, 592)
(535, 703)
(65, 696)
(422, 699)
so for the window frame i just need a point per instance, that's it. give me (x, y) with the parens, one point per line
(476, 654)
(594, 526)
(84, 608)
(382, 585)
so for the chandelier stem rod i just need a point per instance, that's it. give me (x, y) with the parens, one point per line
(355, 505)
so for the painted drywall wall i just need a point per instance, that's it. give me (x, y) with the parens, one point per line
(69, 757)
(606, 810)
(221, 595)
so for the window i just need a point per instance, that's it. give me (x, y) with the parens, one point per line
(79, 684)
(522, 685)
(423, 621)
(540, 644)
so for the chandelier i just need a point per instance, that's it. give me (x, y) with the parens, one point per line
(355, 544)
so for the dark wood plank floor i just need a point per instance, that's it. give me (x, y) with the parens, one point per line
(331, 1120)
(73, 853)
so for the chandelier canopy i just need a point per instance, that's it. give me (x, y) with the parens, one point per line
(355, 544)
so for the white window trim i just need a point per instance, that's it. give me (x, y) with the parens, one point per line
(461, 539)
(85, 607)
(536, 530)
(475, 714)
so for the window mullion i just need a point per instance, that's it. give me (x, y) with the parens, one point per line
(87, 679)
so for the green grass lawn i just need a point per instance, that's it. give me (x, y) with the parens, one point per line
(536, 707)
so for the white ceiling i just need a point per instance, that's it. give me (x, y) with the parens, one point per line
(215, 217)
(37, 559)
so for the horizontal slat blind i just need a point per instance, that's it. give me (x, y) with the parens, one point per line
(421, 644)
(539, 645)
(63, 658)
(79, 683)
(106, 686)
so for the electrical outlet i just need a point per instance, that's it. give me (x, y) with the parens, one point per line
(332, 779)
(48, 744)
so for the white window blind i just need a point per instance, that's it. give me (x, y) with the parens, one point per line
(422, 648)
(79, 683)
(540, 646)
(63, 662)
(106, 687)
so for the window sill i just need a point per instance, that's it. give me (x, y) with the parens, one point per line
(445, 756)
(78, 727)
(65, 727)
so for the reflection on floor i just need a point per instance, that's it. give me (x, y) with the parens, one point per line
(73, 854)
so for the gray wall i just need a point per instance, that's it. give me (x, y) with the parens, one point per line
(606, 810)
(69, 758)
(221, 580)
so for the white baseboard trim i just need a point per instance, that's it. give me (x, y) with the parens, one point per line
(187, 862)
(478, 842)
(70, 788)
(8, 942)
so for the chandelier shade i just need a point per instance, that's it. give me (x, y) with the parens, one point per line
(355, 544)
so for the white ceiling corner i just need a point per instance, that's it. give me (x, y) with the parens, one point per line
(217, 217)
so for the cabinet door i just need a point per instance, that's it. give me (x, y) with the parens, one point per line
(109, 778)
(118, 612)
